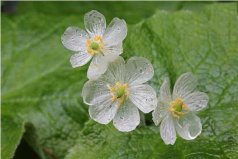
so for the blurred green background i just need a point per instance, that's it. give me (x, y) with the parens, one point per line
(41, 92)
(133, 12)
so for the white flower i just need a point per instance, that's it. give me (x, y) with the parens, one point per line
(119, 92)
(98, 43)
(176, 112)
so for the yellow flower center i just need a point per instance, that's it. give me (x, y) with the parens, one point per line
(119, 92)
(178, 108)
(95, 45)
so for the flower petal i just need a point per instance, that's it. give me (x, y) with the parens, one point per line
(139, 70)
(167, 130)
(127, 117)
(165, 93)
(74, 39)
(189, 126)
(184, 85)
(104, 112)
(113, 49)
(160, 112)
(115, 71)
(144, 97)
(95, 23)
(95, 92)
(196, 101)
(115, 32)
(80, 59)
(97, 67)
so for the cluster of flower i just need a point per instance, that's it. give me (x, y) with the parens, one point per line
(116, 89)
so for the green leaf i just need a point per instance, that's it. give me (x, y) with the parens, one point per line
(204, 43)
(41, 91)
(38, 84)
(12, 132)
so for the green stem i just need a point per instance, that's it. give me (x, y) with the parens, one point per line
(142, 119)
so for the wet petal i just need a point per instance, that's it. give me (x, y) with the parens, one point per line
(144, 97)
(167, 130)
(74, 39)
(189, 126)
(97, 67)
(113, 49)
(115, 33)
(95, 92)
(165, 93)
(160, 112)
(103, 112)
(196, 101)
(95, 23)
(127, 117)
(115, 71)
(80, 59)
(139, 70)
(184, 85)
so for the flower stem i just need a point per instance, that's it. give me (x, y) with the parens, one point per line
(142, 119)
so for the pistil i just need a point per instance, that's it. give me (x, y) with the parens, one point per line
(178, 108)
(95, 45)
(119, 92)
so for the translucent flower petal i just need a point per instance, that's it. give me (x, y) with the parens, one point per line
(127, 117)
(165, 93)
(139, 70)
(115, 33)
(144, 97)
(110, 58)
(184, 85)
(115, 71)
(95, 92)
(103, 112)
(196, 101)
(80, 59)
(74, 39)
(113, 49)
(160, 112)
(188, 126)
(167, 130)
(95, 23)
(97, 67)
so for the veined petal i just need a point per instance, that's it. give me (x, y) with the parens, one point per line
(116, 71)
(80, 59)
(139, 70)
(184, 85)
(144, 97)
(95, 92)
(95, 23)
(97, 67)
(115, 33)
(113, 49)
(74, 39)
(188, 126)
(104, 112)
(196, 101)
(160, 112)
(165, 93)
(167, 130)
(127, 118)
(110, 57)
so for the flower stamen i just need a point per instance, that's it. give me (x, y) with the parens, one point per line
(178, 108)
(119, 92)
(95, 45)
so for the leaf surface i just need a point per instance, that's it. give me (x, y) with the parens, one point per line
(41, 93)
